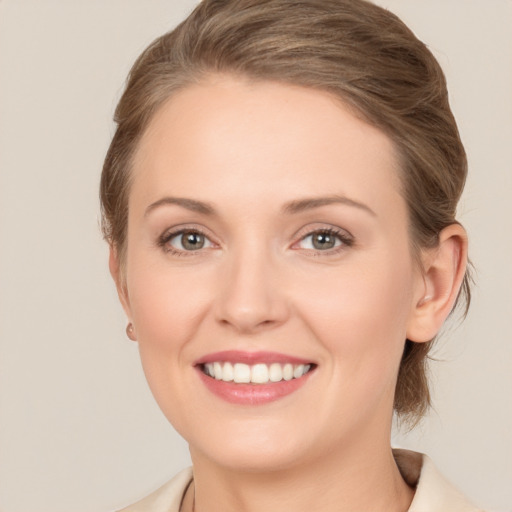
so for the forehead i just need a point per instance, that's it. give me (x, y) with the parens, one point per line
(262, 139)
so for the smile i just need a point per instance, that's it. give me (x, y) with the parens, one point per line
(253, 378)
(259, 373)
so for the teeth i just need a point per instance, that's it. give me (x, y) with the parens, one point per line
(275, 372)
(298, 371)
(259, 373)
(288, 372)
(217, 371)
(228, 373)
(242, 373)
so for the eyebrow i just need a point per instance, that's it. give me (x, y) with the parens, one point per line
(189, 204)
(301, 205)
(293, 207)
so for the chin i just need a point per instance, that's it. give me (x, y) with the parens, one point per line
(249, 448)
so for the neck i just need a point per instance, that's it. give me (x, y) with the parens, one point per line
(346, 480)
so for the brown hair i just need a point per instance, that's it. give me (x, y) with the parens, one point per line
(361, 53)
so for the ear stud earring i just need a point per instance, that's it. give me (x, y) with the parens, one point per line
(130, 332)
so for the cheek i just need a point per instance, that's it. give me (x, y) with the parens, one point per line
(361, 315)
(167, 308)
(165, 303)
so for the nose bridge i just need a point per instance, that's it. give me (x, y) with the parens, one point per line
(250, 297)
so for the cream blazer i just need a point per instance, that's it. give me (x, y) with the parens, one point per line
(433, 492)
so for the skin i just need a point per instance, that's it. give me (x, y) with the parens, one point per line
(258, 283)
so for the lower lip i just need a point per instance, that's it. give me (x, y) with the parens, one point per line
(252, 394)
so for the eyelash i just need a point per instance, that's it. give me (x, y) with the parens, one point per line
(166, 237)
(345, 239)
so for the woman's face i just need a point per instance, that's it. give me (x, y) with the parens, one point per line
(267, 231)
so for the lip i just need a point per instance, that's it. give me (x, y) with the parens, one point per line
(251, 394)
(238, 356)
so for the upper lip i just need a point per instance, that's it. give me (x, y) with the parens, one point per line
(238, 356)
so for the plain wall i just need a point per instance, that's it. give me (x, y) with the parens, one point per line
(79, 430)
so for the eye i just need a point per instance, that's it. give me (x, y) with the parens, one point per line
(184, 240)
(325, 240)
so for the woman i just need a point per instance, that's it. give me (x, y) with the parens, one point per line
(279, 199)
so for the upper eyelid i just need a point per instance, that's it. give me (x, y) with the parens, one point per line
(308, 230)
(178, 230)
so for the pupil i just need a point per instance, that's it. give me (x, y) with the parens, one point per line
(323, 241)
(193, 241)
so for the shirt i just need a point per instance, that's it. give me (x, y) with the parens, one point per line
(433, 493)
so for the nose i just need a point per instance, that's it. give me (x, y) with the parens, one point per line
(251, 296)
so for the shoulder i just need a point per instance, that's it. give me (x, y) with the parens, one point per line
(434, 493)
(165, 499)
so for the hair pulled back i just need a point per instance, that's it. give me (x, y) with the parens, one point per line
(357, 51)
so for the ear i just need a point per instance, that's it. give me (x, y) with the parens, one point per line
(117, 275)
(443, 271)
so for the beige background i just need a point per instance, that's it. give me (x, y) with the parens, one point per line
(79, 430)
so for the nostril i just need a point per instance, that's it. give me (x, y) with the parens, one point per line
(250, 297)
(249, 321)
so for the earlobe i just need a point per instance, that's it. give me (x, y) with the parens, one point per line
(444, 269)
